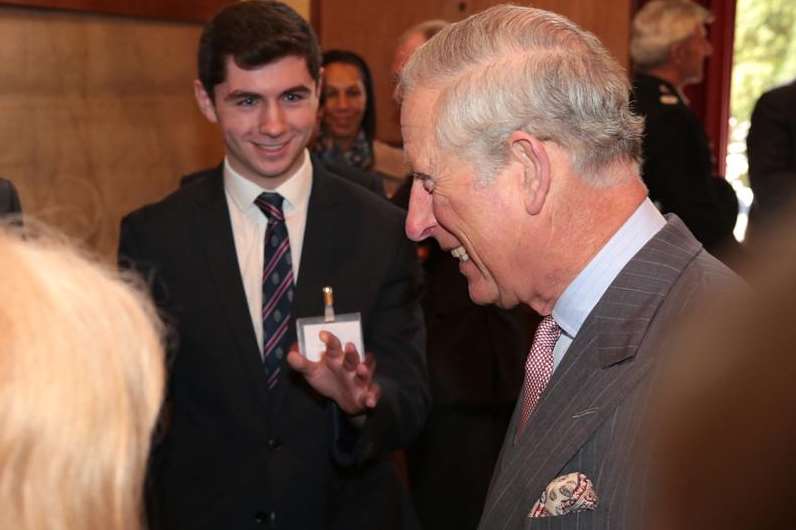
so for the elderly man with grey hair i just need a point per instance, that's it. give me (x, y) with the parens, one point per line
(668, 46)
(526, 168)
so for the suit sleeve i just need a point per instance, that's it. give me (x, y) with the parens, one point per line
(134, 256)
(396, 335)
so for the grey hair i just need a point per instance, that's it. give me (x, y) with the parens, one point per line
(515, 68)
(661, 24)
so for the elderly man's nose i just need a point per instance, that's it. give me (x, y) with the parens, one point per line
(420, 220)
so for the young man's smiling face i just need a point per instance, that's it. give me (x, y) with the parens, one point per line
(267, 116)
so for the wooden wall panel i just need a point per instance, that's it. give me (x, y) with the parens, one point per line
(97, 115)
(184, 10)
(372, 29)
(608, 19)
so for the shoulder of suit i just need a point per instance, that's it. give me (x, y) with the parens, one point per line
(783, 97)
(655, 93)
(199, 176)
(665, 96)
(352, 195)
(192, 187)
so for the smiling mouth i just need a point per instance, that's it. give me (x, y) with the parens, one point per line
(271, 148)
(460, 254)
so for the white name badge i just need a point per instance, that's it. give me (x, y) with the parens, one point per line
(347, 328)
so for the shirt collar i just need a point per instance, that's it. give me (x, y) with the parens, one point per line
(295, 190)
(580, 297)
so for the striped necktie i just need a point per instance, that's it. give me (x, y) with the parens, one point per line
(277, 287)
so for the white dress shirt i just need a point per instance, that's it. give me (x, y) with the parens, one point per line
(249, 224)
(580, 297)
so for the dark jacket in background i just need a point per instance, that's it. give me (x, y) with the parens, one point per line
(771, 146)
(9, 199)
(678, 168)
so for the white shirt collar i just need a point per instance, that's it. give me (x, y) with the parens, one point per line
(295, 190)
(580, 297)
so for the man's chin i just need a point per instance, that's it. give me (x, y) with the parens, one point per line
(277, 169)
(478, 296)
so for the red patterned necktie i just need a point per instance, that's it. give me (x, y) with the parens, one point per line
(277, 287)
(538, 366)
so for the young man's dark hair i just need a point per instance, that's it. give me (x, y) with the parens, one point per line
(255, 33)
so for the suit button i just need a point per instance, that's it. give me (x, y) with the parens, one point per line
(266, 518)
(274, 443)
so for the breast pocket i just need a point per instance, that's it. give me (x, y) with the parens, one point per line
(587, 519)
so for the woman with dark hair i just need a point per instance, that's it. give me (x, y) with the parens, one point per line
(348, 120)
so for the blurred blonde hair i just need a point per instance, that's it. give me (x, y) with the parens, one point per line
(81, 382)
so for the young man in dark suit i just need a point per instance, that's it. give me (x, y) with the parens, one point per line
(257, 435)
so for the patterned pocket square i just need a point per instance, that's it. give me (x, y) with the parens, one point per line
(566, 494)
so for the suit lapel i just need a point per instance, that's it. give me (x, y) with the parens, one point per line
(214, 232)
(317, 259)
(594, 376)
(318, 251)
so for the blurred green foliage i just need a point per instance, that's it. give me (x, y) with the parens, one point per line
(765, 51)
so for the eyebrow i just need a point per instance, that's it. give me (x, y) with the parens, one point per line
(240, 94)
(302, 89)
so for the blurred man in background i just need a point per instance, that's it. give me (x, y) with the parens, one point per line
(771, 147)
(669, 46)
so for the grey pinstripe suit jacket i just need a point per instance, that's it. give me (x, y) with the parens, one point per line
(589, 416)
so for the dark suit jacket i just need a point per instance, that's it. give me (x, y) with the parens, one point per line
(235, 456)
(587, 419)
(9, 200)
(677, 166)
(772, 154)
(369, 179)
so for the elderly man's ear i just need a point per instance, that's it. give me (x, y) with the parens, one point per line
(531, 156)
